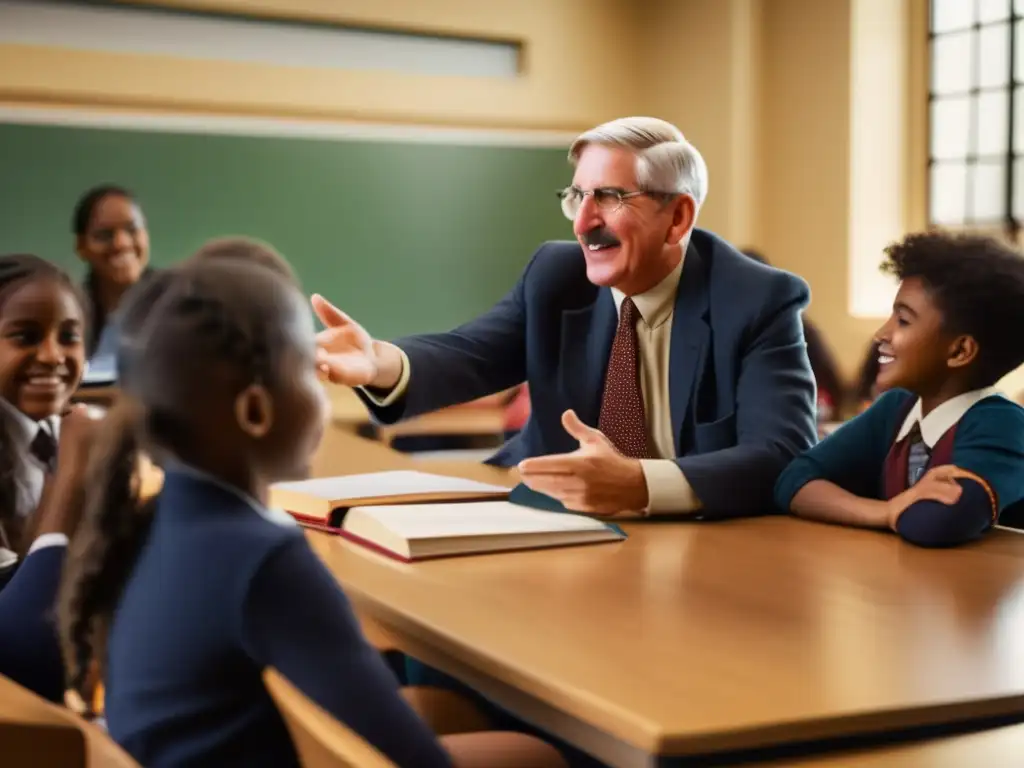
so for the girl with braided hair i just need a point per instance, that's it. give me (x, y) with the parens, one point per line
(185, 599)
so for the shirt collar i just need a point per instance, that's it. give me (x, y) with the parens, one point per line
(943, 417)
(655, 304)
(277, 516)
(24, 428)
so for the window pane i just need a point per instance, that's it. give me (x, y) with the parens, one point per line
(1018, 7)
(950, 127)
(988, 192)
(951, 14)
(947, 190)
(1018, 120)
(1018, 42)
(951, 63)
(995, 55)
(992, 126)
(1018, 188)
(992, 10)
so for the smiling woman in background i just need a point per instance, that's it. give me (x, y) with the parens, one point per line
(111, 238)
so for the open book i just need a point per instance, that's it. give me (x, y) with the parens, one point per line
(324, 500)
(411, 532)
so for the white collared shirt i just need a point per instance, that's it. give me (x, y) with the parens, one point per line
(31, 474)
(944, 416)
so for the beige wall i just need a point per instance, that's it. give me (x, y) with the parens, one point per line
(570, 79)
(763, 87)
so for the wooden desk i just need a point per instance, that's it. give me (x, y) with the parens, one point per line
(713, 637)
(997, 748)
(349, 412)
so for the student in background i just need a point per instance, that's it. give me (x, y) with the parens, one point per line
(112, 239)
(185, 600)
(866, 391)
(940, 454)
(517, 411)
(831, 390)
(42, 321)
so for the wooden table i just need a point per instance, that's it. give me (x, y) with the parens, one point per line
(997, 748)
(348, 411)
(714, 637)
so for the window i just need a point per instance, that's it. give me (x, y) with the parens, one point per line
(976, 114)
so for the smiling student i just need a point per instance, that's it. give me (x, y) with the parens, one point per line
(112, 239)
(940, 454)
(42, 322)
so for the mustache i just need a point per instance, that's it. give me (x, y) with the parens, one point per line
(600, 236)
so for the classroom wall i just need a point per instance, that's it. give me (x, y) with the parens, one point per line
(570, 79)
(765, 89)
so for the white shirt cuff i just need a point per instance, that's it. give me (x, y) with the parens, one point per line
(668, 490)
(399, 388)
(49, 540)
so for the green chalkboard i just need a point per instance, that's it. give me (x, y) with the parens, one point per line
(406, 237)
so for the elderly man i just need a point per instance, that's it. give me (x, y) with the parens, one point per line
(668, 372)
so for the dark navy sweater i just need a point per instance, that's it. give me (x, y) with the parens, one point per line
(222, 589)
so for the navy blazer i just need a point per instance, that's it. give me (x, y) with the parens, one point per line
(741, 390)
(29, 649)
(221, 590)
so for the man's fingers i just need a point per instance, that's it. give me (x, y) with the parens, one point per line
(329, 315)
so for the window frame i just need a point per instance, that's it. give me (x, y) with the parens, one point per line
(1007, 224)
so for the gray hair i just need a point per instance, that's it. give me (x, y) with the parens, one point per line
(665, 160)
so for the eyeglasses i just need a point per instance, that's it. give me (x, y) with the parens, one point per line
(607, 199)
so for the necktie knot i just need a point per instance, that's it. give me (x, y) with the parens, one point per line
(628, 313)
(44, 448)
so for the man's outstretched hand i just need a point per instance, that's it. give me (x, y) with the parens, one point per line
(594, 479)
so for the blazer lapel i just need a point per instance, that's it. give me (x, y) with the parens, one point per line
(587, 336)
(690, 338)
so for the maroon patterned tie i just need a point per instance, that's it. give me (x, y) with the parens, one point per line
(622, 417)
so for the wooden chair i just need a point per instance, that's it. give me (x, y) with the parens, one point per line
(37, 734)
(320, 740)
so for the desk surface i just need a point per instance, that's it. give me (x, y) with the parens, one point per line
(693, 638)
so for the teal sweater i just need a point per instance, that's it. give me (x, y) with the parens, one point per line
(989, 441)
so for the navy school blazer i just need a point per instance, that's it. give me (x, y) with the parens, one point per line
(741, 389)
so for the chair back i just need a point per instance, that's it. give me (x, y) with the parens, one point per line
(320, 740)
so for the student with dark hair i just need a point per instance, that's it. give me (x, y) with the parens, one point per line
(832, 393)
(112, 239)
(42, 321)
(185, 599)
(250, 250)
(940, 454)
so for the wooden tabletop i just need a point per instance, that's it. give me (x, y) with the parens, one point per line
(706, 637)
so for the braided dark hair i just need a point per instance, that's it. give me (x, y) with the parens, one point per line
(205, 320)
(15, 271)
